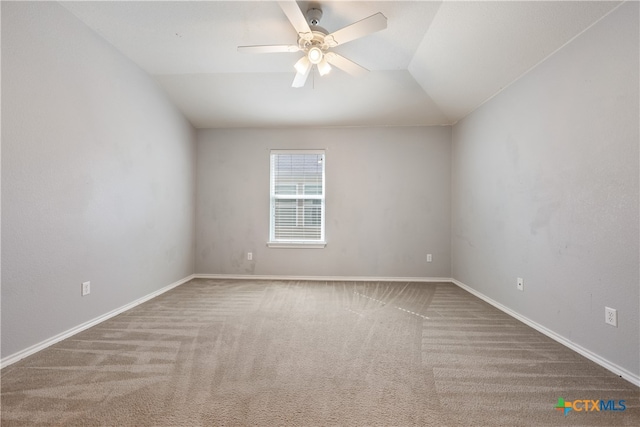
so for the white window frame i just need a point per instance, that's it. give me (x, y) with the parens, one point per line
(300, 198)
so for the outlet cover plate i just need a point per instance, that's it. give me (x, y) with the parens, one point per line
(86, 288)
(611, 316)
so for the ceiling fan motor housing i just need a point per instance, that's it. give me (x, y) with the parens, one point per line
(317, 36)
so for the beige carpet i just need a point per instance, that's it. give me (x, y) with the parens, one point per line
(268, 353)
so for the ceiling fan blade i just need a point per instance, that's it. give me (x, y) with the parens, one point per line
(303, 67)
(345, 64)
(282, 48)
(297, 18)
(358, 29)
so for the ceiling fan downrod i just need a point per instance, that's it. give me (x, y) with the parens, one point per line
(313, 16)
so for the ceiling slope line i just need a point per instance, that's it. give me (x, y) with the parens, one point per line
(537, 64)
(449, 121)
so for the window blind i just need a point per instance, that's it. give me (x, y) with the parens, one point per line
(297, 196)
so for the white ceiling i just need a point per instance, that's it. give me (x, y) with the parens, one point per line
(435, 63)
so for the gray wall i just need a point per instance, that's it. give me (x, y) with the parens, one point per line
(387, 202)
(98, 177)
(545, 187)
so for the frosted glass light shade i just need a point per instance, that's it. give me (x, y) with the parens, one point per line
(324, 67)
(315, 55)
(302, 65)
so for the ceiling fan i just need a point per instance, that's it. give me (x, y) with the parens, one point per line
(316, 42)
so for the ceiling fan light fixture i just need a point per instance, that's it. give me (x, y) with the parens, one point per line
(324, 67)
(315, 55)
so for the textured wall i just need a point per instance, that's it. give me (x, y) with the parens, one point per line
(98, 176)
(388, 202)
(545, 187)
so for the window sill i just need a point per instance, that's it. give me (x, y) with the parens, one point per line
(297, 245)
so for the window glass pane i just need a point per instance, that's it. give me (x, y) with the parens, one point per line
(286, 213)
(313, 189)
(298, 169)
(283, 189)
(312, 212)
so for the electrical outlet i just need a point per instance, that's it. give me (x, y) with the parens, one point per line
(249, 256)
(429, 258)
(611, 316)
(86, 288)
(520, 284)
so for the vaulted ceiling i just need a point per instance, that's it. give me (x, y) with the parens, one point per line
(436, 62)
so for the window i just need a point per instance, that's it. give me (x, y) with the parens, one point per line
(297, 198)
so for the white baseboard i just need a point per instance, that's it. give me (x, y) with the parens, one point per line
(86, 325)
(618, 370)
(326, 278)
